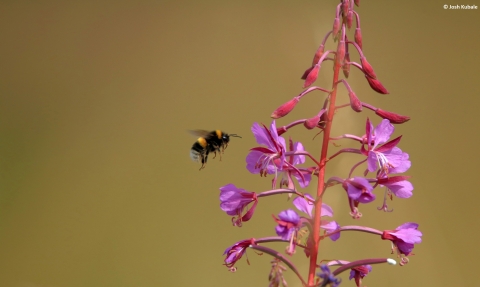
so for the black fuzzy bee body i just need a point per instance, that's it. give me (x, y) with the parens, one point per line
(209, 142)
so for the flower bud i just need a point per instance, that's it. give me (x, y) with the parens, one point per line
(340, 57)
(307, 71)
(312, 76)
(336, 28)
(392, 117)
(357, 2)
(285, 109)
(311, 123)
(355, 102)
(318, 54)
(345, 7)
(358, 37)
(367, 68)
(376, 85)
(349, 19)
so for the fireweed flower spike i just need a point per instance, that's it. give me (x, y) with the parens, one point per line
(294, 166)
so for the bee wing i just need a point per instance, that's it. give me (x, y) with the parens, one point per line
(199, 133)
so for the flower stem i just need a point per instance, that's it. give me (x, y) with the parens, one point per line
(362, 262)
(321, 178)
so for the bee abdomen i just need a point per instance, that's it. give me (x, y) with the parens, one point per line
(194, 155)
(198, 150)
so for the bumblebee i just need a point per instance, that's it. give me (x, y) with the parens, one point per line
(214, 141)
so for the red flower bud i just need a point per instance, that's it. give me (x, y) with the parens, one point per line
(355, 102)
(392, 117)
(358, 37)
(349, 19)
(340, 57)
(336, 28)
(318, 54)
(376, 85)
(312, 122)
(367, 68)
(357, 2)
(312, 76)
(284, 109)
(345, 7)
(307, 71)
(315, 121)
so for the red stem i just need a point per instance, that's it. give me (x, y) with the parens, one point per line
(321, 178)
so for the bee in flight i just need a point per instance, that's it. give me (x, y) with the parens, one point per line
(213, 141)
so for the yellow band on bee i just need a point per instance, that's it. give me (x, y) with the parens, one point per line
(219, 134)
(202, 142)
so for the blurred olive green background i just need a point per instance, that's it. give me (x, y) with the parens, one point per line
(96, 184)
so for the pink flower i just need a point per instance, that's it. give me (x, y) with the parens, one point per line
(398, 185)
(290, 170)
(388, 157)
(404, 237)
(235, 200)
(359, 189)
(359, 272)
(268, 159)
(236, 251)
(307, 207)
(288, 223)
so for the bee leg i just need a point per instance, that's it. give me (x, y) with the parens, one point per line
(215, 149)
(204, 160)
